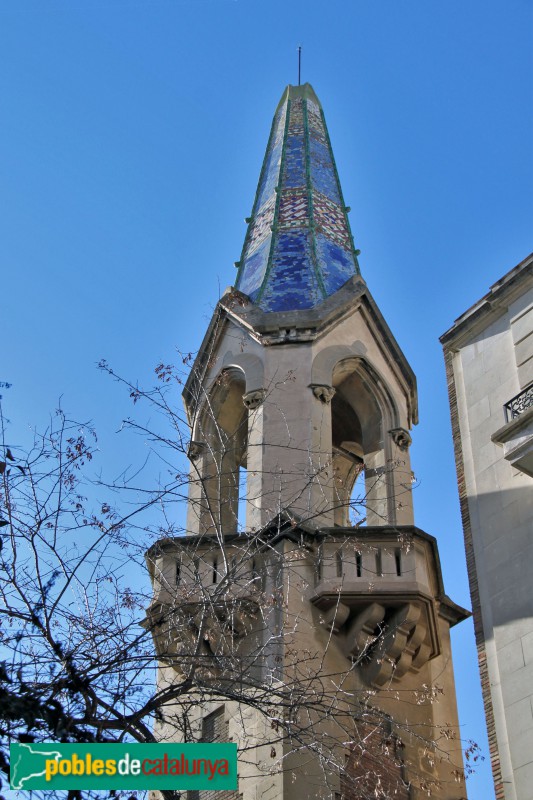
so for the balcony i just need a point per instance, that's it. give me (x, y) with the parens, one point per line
(379, 591)
(519, 404)
(516, 436)
(204, 604)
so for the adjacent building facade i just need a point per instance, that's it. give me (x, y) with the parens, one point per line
(303, 611)
(489, 363)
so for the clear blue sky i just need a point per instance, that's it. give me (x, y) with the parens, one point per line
(131, 137)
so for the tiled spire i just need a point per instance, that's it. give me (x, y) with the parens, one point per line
(298, 248)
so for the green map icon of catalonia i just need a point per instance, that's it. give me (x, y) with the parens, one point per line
(34, 757)
(124, 765)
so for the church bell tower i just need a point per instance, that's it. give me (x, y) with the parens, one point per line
(302, 608)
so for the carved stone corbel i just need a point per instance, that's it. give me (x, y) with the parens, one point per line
(242, 622)
(335, 617)
(401, 438)
(362, 631)
(323, 392)
(394, 652)
(253, 399)
(220, 640)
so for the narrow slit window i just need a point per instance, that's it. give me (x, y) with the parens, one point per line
(398, 560)
(379, 568)
(257, 577)
(215, 570)
(196, 568)
(178, 573)
(358, 564)
(338, 558)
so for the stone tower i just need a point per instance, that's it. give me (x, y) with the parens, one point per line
(303, 613)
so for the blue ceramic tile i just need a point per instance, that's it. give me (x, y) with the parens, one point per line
(292, 284)
(294, 166)
(254, 270)
(322, 172)
(336, 263)
(299, 229)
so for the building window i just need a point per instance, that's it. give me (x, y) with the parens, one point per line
(215, 727)
(379, 568)
(398, 560)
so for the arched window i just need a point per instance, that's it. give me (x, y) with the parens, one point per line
(361, 412)
(223, 431)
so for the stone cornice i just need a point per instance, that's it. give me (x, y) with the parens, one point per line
(495, 303)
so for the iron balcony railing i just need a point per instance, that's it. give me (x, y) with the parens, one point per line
(519, 404)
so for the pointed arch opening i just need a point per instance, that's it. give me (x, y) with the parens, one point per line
(362, 410)
(223, 429)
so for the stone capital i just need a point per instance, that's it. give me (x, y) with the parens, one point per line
(323, 392)
(253, 399)
(401, 438)
(195, 450)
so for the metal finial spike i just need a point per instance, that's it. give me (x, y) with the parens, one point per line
(299, 64)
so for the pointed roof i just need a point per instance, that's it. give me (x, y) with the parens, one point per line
(298, 248)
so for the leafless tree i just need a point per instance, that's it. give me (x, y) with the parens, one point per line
(227, 618)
